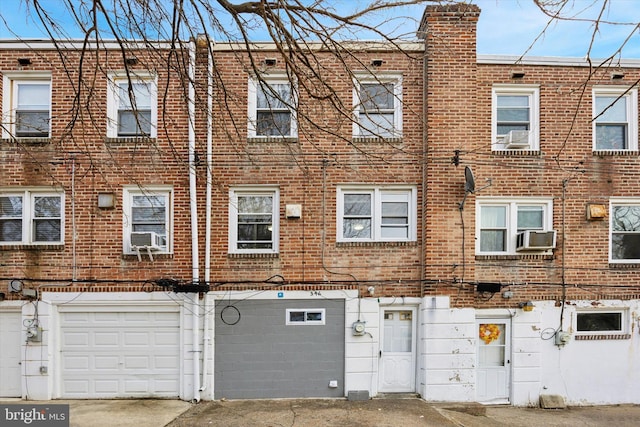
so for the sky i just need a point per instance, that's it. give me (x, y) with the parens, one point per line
(506, 27)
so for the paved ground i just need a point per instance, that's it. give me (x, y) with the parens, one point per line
(332, 412)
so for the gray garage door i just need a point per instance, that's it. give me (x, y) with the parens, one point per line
(279, 348)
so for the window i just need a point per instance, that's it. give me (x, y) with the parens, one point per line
(625, 231)
(147, 218)
(602, 323)
(500, 220)
(615, 116)
(253, 220)
(28, 106)
(272, 108)
(132, 106)
(376, 214)
(31, 217)
(305, 316)
(515, 117)
(378, 107)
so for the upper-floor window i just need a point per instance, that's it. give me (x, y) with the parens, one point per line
(253, 220)
(271, 104)
(615, 119)
(31, 217)
(624, 230)
(147, 219)
(27, 105)
(132, 106)
(506, 226)
(382, 214)
(515, 117)
(377, 105)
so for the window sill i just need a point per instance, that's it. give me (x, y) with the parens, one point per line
(534, 256)
(602, 337)
(515, 152)
(130, 139)
(624, 266)
(602, 153)
(252, 255)
(377, 139)
(272, 139)
(145, 256)
(32, 247)
(27, 140)
(376, 243)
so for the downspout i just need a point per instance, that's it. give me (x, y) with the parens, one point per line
(195, 311)
(206, 339)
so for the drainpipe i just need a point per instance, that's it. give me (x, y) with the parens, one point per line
(194, 222)
(206, 339)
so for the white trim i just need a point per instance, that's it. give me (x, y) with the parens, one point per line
(631, 104)
(113, 93)
(27, 218)
(266, 190)
(322, 312)
(511, 204)
(555, 61)
(9, 98)
(368, 78)
(624, 320)
(252, 104)
(408, 192)
(532, 92)
(128, 191)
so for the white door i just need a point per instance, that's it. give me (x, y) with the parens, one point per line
(10, 333)
(398, 355)
(115, 352)
(494, 364)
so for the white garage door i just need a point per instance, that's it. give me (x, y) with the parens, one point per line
(111, 354)
(10, 332)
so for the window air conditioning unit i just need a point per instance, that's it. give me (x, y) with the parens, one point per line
(517, 139)
(535, 240)
(145, 240)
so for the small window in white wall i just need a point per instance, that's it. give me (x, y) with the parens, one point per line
(305, 316)
(132, 106)
(515, 117)
(615, 119)
(602, 322)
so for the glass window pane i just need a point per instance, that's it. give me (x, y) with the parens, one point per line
(626, 218)
(141, 96)
(279, 97)
(10, 230)
(46, 230)
(11, 207)
(504, 129)
(616, 110)
(357, 204)
(271, 123)
(611, 137)
(356, 228)
(373, 124)
(625, 246)
(32, 123)
(599, 322)
(255, 204)
(493, 241)
(46, 207)
(513, 115)
(493, 216)
(377, 96)
(513, 101)
(395, 209)
(394, 232)
(33, 97)
(132, 123)
(530, 217)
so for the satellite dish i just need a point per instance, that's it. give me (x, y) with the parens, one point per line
(469, 182)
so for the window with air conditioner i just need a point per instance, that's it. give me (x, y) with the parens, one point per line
(132, 106)
(272, 104)
(254, 220)
(515, 117)
(377, 103)
(615, 119)
(27, 105)
(624, 231)
(511, 226)
(376, 214)
(147, 219)
(31, 217)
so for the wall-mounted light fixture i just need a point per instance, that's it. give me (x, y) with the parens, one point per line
(24, 61)
(596, 211)
(517, 74)
(106, 200)
(377, 62)
(526, 306)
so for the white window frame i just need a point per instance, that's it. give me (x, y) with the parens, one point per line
(128, 192)
(274, 192)
(511, 204)
(396, 80)
(631, 104)
(378, 194)
(252, 104)
(614, 202)
(27, 219)
(113, 97)
(306, 322)
(11, 81)
(532, 92)
(624, 321)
